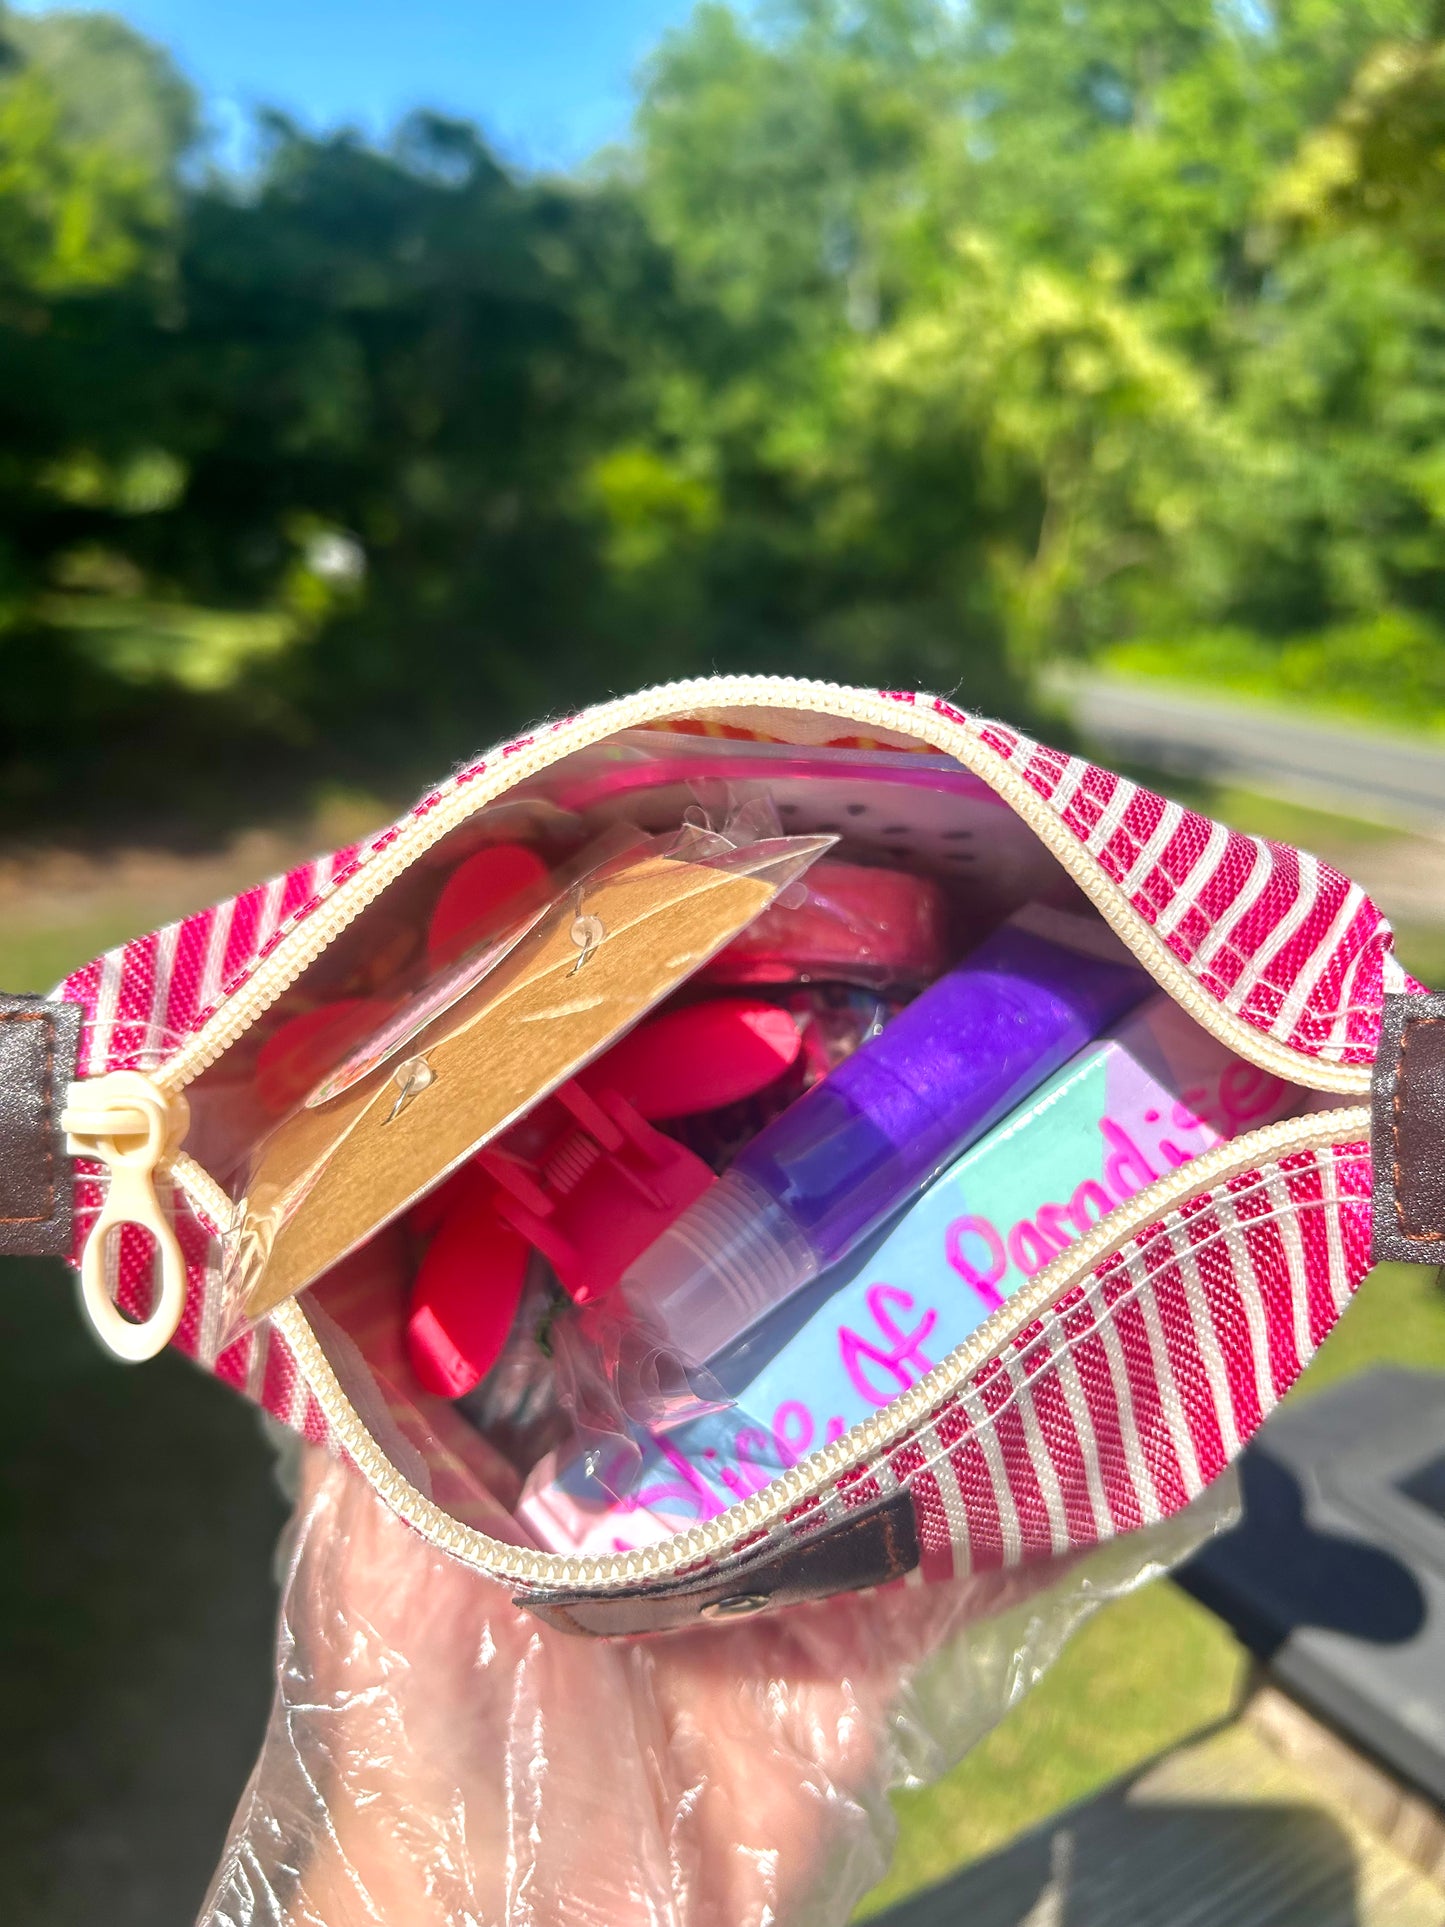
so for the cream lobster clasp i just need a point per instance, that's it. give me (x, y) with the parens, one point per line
(131, 1125)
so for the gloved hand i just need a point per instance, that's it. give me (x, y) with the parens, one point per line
(435, 1756)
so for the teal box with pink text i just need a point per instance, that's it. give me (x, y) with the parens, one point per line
(1134, 1105)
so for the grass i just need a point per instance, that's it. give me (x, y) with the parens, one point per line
(37, 959)
(59, 909)
(1421, 948)
(1148, 1670)
(1281, 818)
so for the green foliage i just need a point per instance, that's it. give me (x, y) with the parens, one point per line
(1375, 163)
(1389, 666)
(92, 122)
(1081, 440)
(901, 341)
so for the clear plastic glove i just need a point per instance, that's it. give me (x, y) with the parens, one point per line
(437, 1756)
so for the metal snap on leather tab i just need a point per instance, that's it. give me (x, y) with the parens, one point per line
(870, 1546)
(1408, 1099)
(736, 1606)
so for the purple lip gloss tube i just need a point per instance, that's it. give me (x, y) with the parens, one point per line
(881, 1126)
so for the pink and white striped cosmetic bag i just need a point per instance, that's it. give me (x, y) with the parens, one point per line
(1104, 1396)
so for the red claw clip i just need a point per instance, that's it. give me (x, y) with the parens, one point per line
(598, 1190)
(585, 1179)
(293, 1061)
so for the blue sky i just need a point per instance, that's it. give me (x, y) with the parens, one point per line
(548, 79)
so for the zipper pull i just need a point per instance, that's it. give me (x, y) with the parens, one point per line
(131, 1125)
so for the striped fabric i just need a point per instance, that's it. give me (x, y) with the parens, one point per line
(145, 998)
(1279, 938)
(1133, 1392)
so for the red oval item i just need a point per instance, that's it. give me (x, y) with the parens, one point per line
(477, 896)
(699, 1057)
(856, 924)
(293, 1062)
(468, 1286)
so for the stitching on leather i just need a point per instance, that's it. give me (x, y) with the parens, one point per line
(1424, 1234)
(47, 1106)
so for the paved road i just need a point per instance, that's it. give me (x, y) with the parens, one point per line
(1383, 778)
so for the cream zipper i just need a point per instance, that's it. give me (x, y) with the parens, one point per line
(459, 800)
(521, 1566)
(125, 1123)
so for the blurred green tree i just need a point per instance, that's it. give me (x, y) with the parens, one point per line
(94, 123)
(900, 341)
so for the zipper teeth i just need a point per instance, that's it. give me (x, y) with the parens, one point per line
(214, 1203)
(522, 1565)
(960, 740)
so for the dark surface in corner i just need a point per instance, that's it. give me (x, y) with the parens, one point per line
(136, 1616)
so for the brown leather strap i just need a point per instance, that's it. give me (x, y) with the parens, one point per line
(869, 1547)
(39, 1041)
(1408, 1131)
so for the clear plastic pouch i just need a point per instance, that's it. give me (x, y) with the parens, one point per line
(667, 1436)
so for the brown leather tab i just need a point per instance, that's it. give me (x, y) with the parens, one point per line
(39, 1042)
(1408, 1131)
(868, 1548)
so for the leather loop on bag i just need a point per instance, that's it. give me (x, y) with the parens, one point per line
(869, 1547)
(1408, 1131)
(39, 1044)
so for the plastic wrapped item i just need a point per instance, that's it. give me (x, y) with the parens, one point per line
(434, 1756)
(585, 1179)
(824, 1174)
(812, 1186)
(515, 1406)
(855, 923)
(486, 1036)
(913, 811)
